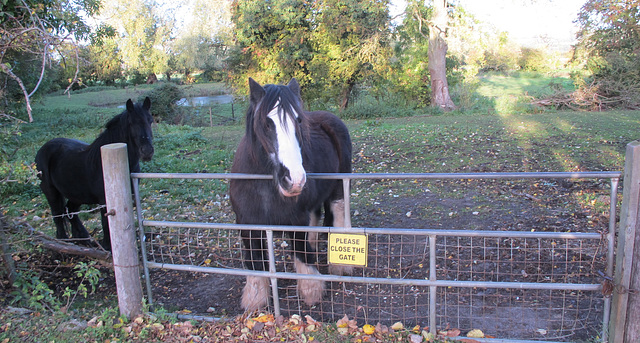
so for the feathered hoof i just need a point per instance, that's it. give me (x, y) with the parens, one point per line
(311, 291)
(255, 294)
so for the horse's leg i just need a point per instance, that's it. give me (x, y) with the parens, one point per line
(311, 291)
(255, 294)
(314, 220)
(56, 203)
(106, 235)
(336, 208)
(78, 231)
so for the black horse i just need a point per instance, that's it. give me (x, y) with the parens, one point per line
(283, 140)
(72, 170)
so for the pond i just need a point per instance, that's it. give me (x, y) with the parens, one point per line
(200, 101)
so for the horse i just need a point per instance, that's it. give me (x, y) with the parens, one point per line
(287, 142)
(71, 169)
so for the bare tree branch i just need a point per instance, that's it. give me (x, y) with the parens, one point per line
(8, 71)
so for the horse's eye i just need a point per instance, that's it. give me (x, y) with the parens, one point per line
(299, 119)
(270, 125)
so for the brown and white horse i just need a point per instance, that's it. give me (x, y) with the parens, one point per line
(283, 140)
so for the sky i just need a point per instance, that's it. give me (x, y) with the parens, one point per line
(526, 21)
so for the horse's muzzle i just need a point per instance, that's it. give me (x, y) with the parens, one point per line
(290, 187)
(146, 153)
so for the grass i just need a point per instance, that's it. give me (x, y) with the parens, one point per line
(518, 84)
(499, 141)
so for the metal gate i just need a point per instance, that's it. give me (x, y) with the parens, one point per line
(519, 285)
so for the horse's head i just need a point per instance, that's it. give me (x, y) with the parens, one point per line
(139, 125)
(275, 121)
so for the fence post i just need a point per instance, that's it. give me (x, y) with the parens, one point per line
(624, 325)
(117, 185)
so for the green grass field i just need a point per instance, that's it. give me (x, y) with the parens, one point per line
(485, 141)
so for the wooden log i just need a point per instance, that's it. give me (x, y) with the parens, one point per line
(117, 185)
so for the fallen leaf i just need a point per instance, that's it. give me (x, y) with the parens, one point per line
(451, 333)
(475, 333)
(343, 330)
(264, 318)
(397, 326)
(368, 329)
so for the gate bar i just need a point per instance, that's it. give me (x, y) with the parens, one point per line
(390, 176)
(389, 281)
(373, 231)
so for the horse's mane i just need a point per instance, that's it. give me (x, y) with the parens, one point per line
(114, 132)
(286, 101)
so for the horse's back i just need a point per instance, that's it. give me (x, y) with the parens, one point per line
(336, 130)
(55, 150)
(64, 167)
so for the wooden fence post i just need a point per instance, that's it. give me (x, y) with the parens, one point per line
(624, 325)
(117, 184)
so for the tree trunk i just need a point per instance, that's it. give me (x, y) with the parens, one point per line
(152, 78)
(346, 96)
(437, 57)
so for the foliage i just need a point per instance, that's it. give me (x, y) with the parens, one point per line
(534, 59)
(14, 175)
(411, 50)
(202, 44)
(328, 46)
(609, 38)
(164, 100)
(142, 36)
(103, 65)
(274, 41)
(350, 47)
(34, 30)
(501, 57)
(86, 272)
(31, 292)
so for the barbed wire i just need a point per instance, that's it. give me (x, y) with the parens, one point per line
(70, 215)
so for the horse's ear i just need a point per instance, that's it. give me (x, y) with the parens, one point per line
(147, 103)
(256, 92)
(294, 86)
(130, 107)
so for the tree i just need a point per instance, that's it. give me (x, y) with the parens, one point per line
(329, 46)
(142, 35)
(273, 41)
(202, 43)
(609, 38)
(350, 44)
(438, 57)
(103, 62)
(422, 44)
(36, 29)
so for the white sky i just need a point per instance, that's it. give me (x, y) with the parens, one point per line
(529, 20)
(526, 21)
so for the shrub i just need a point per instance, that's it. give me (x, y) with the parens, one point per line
(164, 99)
(534, 60)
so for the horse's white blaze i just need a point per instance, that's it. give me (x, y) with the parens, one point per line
(288, 152)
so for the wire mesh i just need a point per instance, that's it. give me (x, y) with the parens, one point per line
(513, 313)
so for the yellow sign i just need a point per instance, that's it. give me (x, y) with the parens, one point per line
(348, 249)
